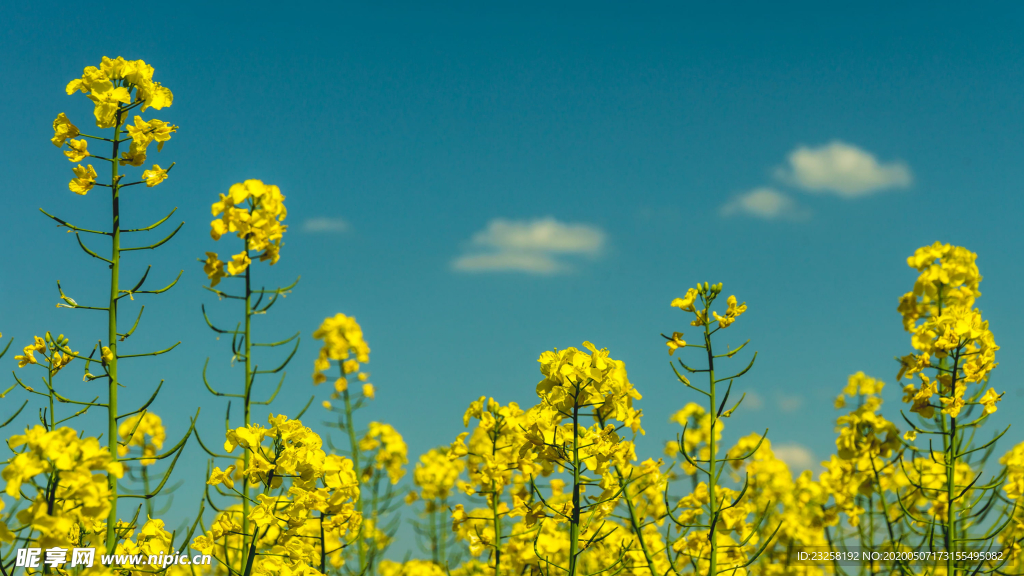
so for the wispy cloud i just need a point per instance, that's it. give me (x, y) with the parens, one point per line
(767, 204)
(789, 403)
(752, 401)
(842, 169)
(532, 246)
(325, 225)
(534, 263)
(796, 456)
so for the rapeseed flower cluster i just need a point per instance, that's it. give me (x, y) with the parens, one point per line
(115, 88)
(945, 326)
(529, 525)
(379, 455)
(64, 479)
(696, 442)
(390, 451)
(113, 82)
(573, 376)
(145, 431)
(253, 211)
(305, 491)
(343, 341)
(551, 488)
(56, 353)
(435, 476)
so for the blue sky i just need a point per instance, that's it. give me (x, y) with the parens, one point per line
(479, 183)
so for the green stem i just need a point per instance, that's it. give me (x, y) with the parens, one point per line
(145, 486)
(574, 523)
(635, 522)
(246, 400)
(712, 473)
(435, 548)
(871, 528)
(49, 384)
(951, 456)
(885, 513)
(495, 498)
(350, 427)
(115, 272)
(375, 515)
(949, 451)
(442, 535)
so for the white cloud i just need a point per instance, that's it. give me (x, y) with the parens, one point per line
(796, 456)
(499, 261)
(529, 246)
(325, 225)
(546, 234)
(752, 401)
(842, 169)
(765, 203)
(789, 403)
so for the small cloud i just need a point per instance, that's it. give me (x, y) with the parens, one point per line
(790, 403)
(325, 225)
(796, 456)
(545, 235)
(767, 204)
(752, 401)
(502, 261)
(842, 169)
(529, 246)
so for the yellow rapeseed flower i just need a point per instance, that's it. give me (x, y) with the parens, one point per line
(251, 210)
(62, 130)
(686, 302)
(154, 176)
(143, 133)
(222, 477)
(106, 105)
(214, 268)
(38, 345)
(99, 85)
(84, 181)
(78, 151)
(675, 343)
(731, 314)
(239, 262)
(989, 400)
(135, 156)
(145, 431)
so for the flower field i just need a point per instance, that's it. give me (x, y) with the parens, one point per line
(548, 489)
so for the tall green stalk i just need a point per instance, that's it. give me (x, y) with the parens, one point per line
(635, 521)
(260, 202)
(116, 88)
(497, 528)
(574, 521)
(350, 429)
(950, 462)
(705, 295)
(712, 447)
(115, 272)
(247, 396)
